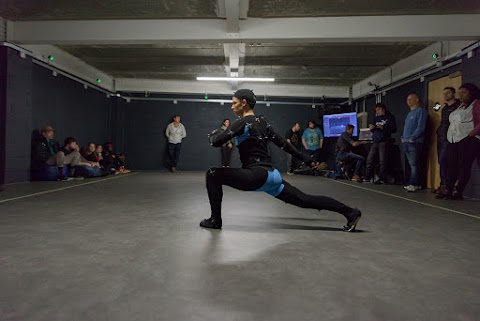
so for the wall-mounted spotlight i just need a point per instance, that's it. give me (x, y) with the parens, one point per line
(373, 85)
(175, 102)
(54, 73)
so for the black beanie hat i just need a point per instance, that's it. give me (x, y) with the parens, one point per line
(248, 95)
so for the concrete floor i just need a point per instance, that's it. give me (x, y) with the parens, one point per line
(130, 248)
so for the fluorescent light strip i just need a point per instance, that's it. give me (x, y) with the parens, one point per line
(235, 78)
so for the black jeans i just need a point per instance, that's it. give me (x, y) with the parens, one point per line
(174, 153)
(226, 155)
(460, 157)
(442, 160)
(315, 154)
(349, 156)
(378, 151)
(251, 179)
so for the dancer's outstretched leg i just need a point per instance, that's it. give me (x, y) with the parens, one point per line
(294, 196)
(239, 178)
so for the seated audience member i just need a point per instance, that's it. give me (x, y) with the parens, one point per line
(48, 152)
(99, 154)
(44, 148)
(71, 148)
(89, 154)
(114, 160)
(344, 151)
(382, 128)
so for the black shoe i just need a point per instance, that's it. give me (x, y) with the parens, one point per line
(211, 223)
(353, 219)
(63, 178)
(443, 196)
(457, 197)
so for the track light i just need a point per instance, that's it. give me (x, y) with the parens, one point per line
(236, 79)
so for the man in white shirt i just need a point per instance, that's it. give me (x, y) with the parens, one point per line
(175, 132)
(461, 145)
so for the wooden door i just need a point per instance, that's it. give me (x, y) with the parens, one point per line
(435, 94)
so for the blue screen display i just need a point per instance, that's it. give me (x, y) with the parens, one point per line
(334, 125)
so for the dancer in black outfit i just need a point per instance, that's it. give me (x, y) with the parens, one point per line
(251, 135)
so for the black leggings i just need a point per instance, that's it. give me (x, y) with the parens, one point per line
(252, 179)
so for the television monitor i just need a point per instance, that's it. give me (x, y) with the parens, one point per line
(334, 125)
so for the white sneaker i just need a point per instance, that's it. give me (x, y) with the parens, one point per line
(410, 188)
(289, 173)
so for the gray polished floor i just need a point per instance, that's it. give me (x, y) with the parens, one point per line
(130, 249)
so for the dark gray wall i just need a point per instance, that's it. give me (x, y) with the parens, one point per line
(70, 108)
(145, 122)
(3, 110)
(18, 117)
(34, 98)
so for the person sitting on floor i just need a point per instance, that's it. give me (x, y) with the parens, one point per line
(114, 160)
(99, 154)
(344, 152)
(71, 148)
(89, 154)
(47, 151)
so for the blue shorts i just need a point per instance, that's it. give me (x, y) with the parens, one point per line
(274, 184)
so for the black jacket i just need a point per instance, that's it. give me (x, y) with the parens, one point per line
(251, 136)
(389, 127)
(41, 152)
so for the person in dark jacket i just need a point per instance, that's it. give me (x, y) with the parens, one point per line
(383, 127)
(228, 146)
(44, 148)
(251, 134)
(47, 151)
(451, 104)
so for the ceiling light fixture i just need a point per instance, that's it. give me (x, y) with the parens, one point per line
(235, 79)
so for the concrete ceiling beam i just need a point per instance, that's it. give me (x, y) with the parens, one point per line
(322, 29)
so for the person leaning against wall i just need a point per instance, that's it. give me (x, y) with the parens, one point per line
(413, 138)
(463, 142)
(175, 133)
